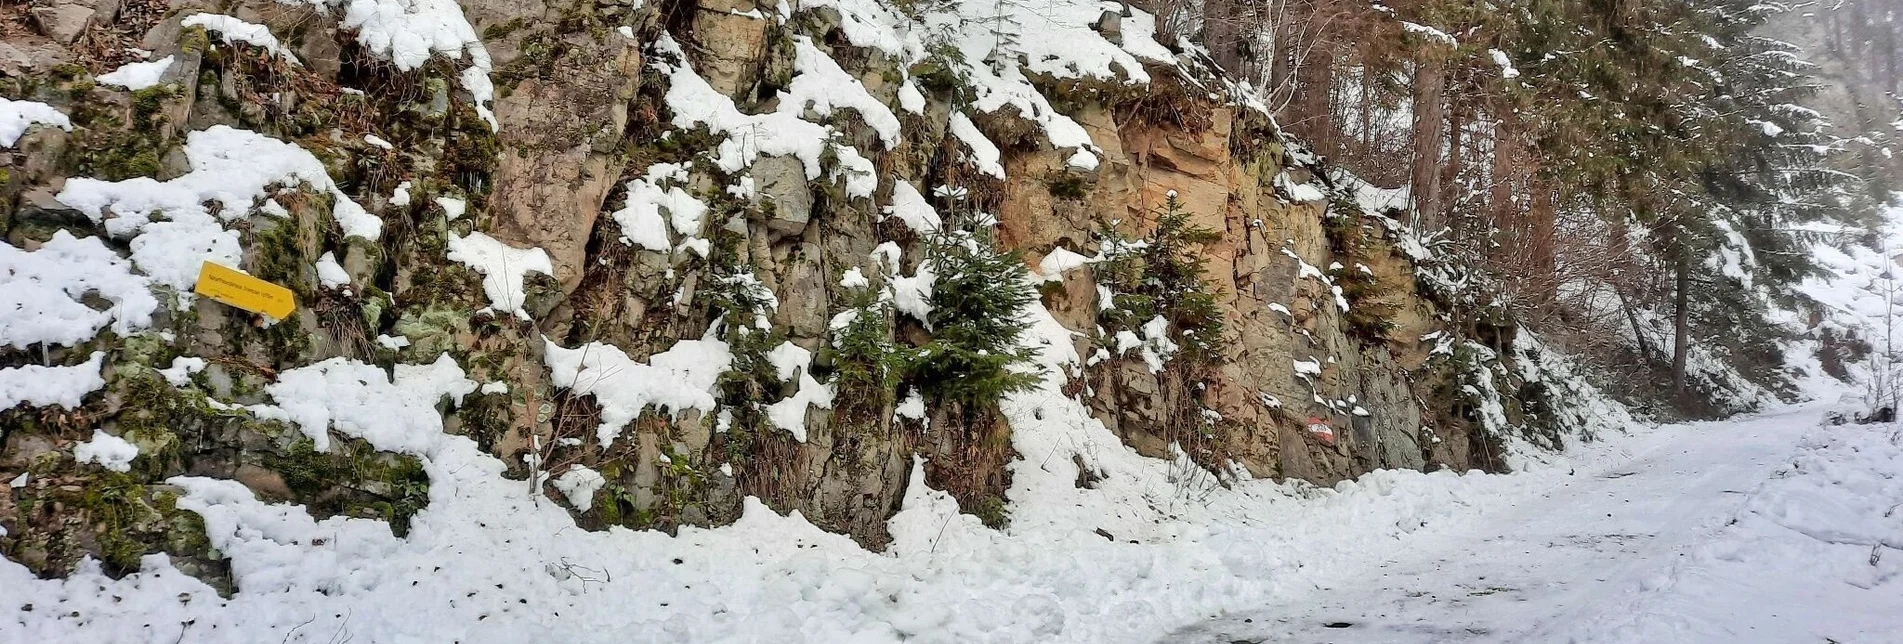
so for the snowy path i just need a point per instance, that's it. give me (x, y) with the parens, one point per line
(1646, 550)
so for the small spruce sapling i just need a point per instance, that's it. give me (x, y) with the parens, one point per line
(977, 322)
(1164, 275)
(867, 364)
(742, 304)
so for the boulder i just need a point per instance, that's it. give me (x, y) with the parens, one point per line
(731, 35)
(781, 181)
(63, 22)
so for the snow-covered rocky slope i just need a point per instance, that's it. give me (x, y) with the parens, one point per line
(625, 321)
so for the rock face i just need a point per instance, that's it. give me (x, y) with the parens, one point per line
(1326, 322)
(565, 127)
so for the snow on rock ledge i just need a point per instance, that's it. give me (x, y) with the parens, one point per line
(42, 293)
(912, 208)
(579, 485)
(779, 133)
(395, 414)
(137, 76)
(17, 116)
(408, 32)
(678, 379)
(107, 451)
(504, 268)
(234, 31)
(792, 362)
(230, 167)
(640, 219)
(39, 386)
(1055, 38)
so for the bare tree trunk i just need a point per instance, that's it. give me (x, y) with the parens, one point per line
(1222, 33)
(1638, 332)
(1366, 99)
(1681, 321)
(1430, 81)
(1889, 58)
(1855, 42)
(1313, 109)
(1538, 243)
(1457, 122)
(1500, 205)
(1279, 56)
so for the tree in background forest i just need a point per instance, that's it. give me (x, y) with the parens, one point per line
(1645, 169)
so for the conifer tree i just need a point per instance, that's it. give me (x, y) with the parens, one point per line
(975, 356)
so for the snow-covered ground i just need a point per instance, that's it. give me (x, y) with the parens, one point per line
(1758, 529)
(1625, 540)
(1766, 529)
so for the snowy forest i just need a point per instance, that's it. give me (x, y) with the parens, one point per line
(1638, 180)
(950, 321)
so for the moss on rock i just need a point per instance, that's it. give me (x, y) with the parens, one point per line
(352, 479)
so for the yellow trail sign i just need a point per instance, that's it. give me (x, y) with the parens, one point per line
(244, 291)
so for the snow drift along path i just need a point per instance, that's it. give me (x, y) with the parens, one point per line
(1700, 537)
(492, 561)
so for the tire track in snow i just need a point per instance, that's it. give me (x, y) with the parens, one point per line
(1527, 571)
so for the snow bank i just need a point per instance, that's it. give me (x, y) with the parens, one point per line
(1581, 411)
(1811, 556)
(1850, 291)
(17, 116)
(490, 560)
(1151, 545)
